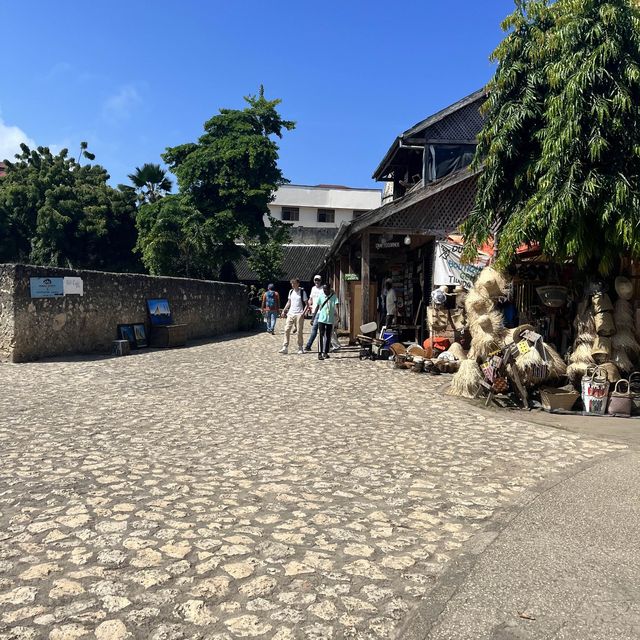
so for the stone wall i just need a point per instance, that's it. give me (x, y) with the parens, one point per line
(41, 327)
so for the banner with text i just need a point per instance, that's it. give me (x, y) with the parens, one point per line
(449, 269)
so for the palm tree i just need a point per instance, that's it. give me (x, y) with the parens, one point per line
(150, 182)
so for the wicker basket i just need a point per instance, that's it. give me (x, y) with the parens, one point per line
(553, 398)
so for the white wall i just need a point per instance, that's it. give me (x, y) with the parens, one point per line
(310, 199)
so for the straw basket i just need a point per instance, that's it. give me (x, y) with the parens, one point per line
(554, 399)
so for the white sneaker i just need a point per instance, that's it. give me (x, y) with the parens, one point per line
(284, 350)
(300, 351)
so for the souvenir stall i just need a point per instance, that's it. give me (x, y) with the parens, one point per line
(575, 348)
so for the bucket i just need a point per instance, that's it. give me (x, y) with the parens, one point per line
(389, 337)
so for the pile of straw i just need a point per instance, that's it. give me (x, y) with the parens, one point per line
(622, 361)
(526, 365)
(477, 304)
(491, 283)
(466, 382)
(557, 366)
(457, 351)
(576, 371)
(582, 355)
(623, 314)
(626, 341)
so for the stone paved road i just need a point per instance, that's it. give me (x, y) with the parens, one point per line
(224, 491)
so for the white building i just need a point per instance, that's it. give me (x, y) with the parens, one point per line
(323, 206)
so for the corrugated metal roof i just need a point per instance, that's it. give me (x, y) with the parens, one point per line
(300, 261)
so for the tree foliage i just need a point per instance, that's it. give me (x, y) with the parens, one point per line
(56, 212)
(228, 176)
(150, 183)
(561, 141)
(174, 238)
(266, 255)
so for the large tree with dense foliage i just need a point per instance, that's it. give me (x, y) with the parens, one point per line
(561, 142)
(55, 211)
(228, 176)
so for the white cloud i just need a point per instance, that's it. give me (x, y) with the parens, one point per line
(120, 105)
(10, 139)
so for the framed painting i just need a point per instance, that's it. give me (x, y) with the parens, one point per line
(126, 332)
(159, 312)
(140, 333)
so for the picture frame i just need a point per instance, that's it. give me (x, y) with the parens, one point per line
(126, 332)
(140, 334)
(159, 312)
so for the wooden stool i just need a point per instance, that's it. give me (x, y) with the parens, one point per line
(120, 348)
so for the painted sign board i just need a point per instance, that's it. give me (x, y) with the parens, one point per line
(449, 269)
(46, 287)
(73, 286)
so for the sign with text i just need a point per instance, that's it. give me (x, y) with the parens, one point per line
(46, 287)
(73, 286)
(449, 269)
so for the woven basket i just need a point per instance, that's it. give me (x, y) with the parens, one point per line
(553, 398)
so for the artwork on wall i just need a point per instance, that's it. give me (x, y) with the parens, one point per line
(140, 333)
(159, 311)
(126, 332)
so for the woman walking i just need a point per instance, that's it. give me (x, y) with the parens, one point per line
(327, 314)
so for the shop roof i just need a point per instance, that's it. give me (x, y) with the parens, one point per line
(456, 124)
(437, 209)
(299, 261)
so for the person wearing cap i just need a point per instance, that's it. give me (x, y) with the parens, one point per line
(312, 305)
(270, 308)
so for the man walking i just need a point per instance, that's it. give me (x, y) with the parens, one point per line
(270, 308)
(316, 292)
(294, 312)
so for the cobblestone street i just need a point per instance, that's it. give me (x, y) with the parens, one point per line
(225, 491)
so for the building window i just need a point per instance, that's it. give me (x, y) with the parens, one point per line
(326, 215)
(359, 212)
(290, 214)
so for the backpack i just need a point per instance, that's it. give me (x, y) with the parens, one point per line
(270, 300)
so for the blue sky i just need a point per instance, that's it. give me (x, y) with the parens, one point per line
(132, 78)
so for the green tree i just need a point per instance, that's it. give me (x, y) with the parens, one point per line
(229, 176)
(174, 238)
(53, 211)
(150, 183)
(266, 254)
(561, 143)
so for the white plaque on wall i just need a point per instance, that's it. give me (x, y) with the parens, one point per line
(73, 286)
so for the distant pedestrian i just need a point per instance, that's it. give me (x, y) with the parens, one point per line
(270, 307)
(316, 292)
(294, 312)
(391, 300)
(327, 313)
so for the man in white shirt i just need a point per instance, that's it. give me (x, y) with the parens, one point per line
(294, 312)
(316, 292)
(390, 299)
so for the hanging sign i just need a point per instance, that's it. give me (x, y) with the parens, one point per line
(46, 287)
(388, 245)
(73, 286)
(449, 270)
